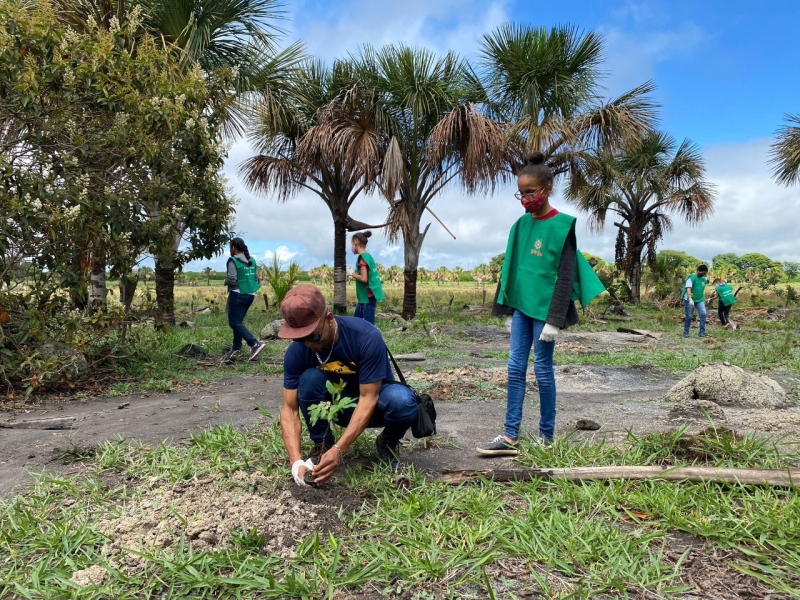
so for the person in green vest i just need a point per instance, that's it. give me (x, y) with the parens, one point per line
(368, 283)
(543, 274)
(726, 300)
(242, 287)
(694, 297)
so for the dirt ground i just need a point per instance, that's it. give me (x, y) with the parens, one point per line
(470, 404)
(470, 396)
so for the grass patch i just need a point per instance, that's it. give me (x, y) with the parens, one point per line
(428, 541)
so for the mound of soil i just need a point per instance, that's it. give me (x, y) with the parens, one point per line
(210, 518)
(728, 385)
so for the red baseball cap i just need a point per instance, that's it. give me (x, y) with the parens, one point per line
(302, 309)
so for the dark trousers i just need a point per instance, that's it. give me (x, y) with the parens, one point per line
(366, 310)
(238, 304)
(724, 313)
(396, 410)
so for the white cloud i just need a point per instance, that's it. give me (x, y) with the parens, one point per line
(282, 253)
(437, 24)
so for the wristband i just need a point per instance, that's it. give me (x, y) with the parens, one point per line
(341, 454)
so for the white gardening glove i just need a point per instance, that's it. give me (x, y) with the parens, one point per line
(509, 319)
(691, 302)
(549, 333)
(298, 478)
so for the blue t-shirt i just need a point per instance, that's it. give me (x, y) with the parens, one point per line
(360, 344)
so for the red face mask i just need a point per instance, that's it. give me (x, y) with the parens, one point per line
(533, 204)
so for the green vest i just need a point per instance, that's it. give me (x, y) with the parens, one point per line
(698, 288)
(374, 281)
(246, 276)
(725, 293)
(531, 265)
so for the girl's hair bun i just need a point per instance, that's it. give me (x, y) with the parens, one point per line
(368, 234)
(535, 158)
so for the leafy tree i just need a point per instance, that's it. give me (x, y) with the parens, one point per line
(84, 158)
(643, 184)
(208, 272)
(216, 36)
(785, 152)
(792, 269)
(496, 266)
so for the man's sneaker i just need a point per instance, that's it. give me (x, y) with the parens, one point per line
(686, 335)
(387, 451)
(319, 449)
(499, 447)
(231, 356)
(255, 350)
(542, 442)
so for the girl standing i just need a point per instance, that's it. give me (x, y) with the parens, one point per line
(242, 287)
(542, 274)
(368, 284)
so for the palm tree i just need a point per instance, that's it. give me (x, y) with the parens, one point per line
(208, 272)
(293, 146)
(785, 152)
(427, 133)
(546, 84)
(643, 183)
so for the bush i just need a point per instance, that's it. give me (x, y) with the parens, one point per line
(280, 281)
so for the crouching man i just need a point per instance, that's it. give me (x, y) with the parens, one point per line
(328, 348)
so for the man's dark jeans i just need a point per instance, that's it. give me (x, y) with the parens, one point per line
(238, 304)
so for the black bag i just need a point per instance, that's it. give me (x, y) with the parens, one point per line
(426, 412)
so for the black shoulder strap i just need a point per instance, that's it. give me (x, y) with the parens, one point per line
(396, 367)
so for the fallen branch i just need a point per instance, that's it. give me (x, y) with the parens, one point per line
(417, 356)
(52, 423)
(776, 478)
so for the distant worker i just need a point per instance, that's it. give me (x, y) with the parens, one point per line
(242, 287)
(368, 282)
(693, 295)
(726, 299)
(542, 269)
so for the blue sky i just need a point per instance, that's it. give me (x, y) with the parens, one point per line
(727, 72)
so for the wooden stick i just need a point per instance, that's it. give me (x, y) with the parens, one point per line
(440, 222)
(787, 478)
(53, 423)
(416, 356)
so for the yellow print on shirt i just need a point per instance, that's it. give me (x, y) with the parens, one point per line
(537, 247)
(338, 368)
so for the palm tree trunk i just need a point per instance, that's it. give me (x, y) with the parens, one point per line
(165, 286)
(165, 292)
(635, 269)
(636, 278)
(339, 266)
(412, 244)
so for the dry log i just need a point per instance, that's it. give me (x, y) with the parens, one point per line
(417, 356)
(778, 478)
(656, 335)
(52, 423)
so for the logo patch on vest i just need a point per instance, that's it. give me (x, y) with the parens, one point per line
(537, 247)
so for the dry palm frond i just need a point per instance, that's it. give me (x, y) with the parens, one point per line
(394, 170)
(270, 174)
(398, 221)
(475, 142)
